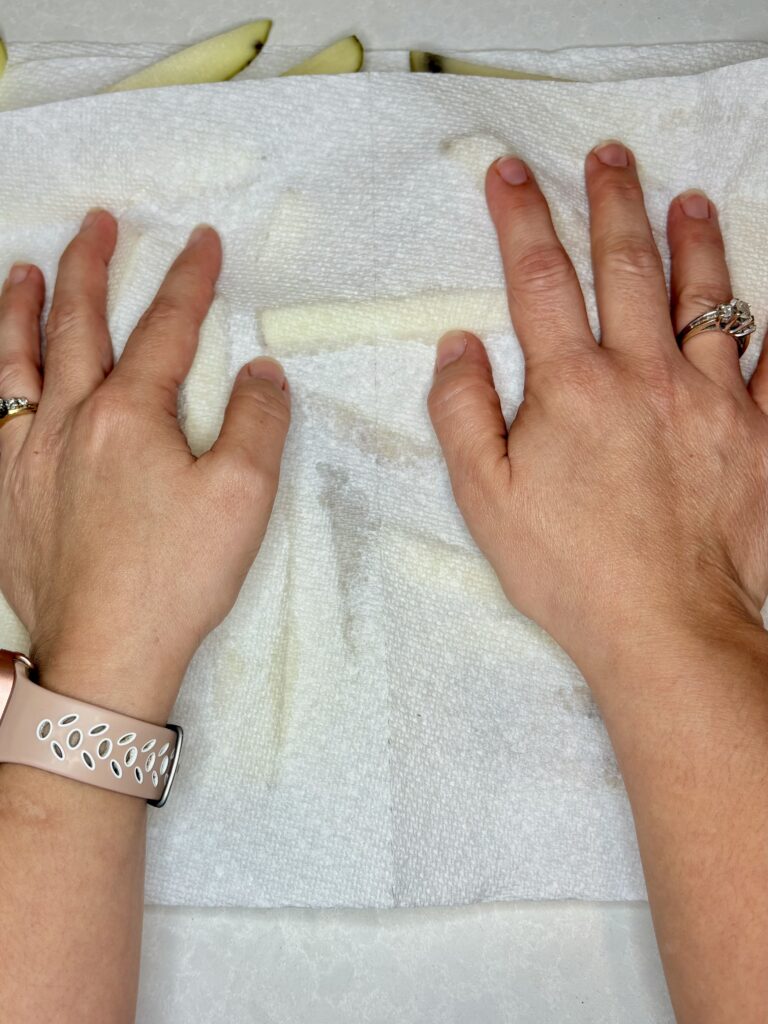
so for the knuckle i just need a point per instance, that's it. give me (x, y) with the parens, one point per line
(246, 481)
(266, 402)
(470, 486)
(620, 188)
(13, 370)
(571, 376)
(105, 415)
(541, 268)
(452, 394)
(69, 317)
(631, 256)
(165, 312)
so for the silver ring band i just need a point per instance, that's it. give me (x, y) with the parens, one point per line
(733, 318)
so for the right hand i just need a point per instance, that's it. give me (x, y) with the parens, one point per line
(630, 495)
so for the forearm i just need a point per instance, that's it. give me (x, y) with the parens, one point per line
(688, 718)
(72, 863)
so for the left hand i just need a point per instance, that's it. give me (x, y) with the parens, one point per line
(121, 549)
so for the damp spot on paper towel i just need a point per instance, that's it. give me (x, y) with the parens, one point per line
(612, 775)
(475, 153)
(350, 425)
(352, 532)
(271, 692)
(283, 670)
(579, 700)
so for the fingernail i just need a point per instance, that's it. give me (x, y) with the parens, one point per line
(265, 368)
(90, 217)
(200, 232)
(451, 347)
(19, 272)
(612, 154)
(695, 204)
(512, 170)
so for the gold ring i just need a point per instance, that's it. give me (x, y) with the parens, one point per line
(10, 407)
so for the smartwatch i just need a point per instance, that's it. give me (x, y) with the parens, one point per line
(68, 737)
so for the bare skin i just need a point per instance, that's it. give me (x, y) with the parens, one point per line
(625, 511)
(121, 552)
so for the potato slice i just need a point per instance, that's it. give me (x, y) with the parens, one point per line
(434, 63)
(329, 326)
(3, 56)
(212, 60)
(340, 58)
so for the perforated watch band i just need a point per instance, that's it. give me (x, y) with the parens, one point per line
(58, 734)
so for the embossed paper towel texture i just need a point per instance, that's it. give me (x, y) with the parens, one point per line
(373, 724)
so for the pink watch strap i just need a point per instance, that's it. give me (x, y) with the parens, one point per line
(58, 734)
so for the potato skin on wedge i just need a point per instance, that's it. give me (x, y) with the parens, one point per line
(343, 57)
(435, 63)
(213, 60)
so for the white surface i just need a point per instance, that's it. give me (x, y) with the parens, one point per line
(175, 936)
(409, 738)
(483, 24)
(513, 963)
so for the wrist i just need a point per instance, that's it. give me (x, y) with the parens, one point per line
(620, 634)
(117, 677)
(672, 657)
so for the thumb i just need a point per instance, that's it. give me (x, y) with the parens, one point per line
(255, 424)
(466, 414)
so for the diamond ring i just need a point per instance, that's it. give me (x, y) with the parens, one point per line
(734, 318)
(10, 407)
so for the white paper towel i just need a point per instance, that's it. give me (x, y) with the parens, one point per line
(373, 724)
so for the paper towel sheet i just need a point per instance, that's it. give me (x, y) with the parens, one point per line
(373, 724)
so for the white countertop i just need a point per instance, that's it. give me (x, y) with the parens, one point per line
(528, 963)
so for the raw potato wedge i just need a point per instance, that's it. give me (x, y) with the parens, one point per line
(434, 63)
(3, 56)
(329, 326)
(213, 60)
(341, 58)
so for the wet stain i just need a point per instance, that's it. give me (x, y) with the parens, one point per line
(272, 692)
(283, 670)
(353, 534)
(579, 701)
(349, 425)
(611, 774)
